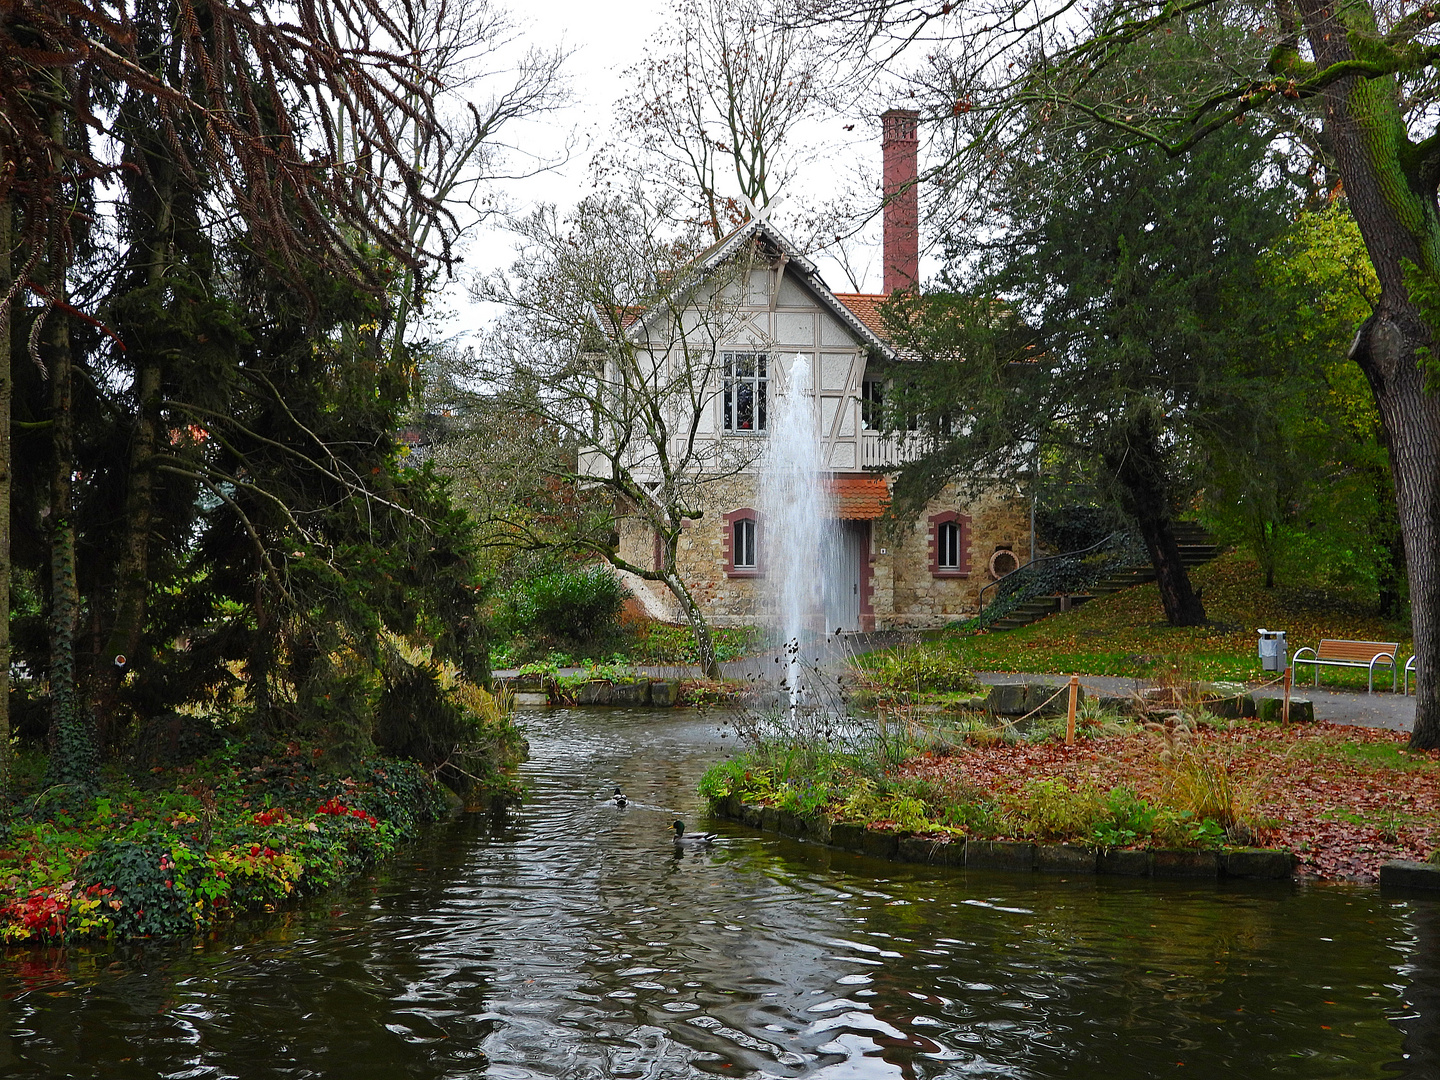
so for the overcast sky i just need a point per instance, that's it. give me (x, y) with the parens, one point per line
(604, 39)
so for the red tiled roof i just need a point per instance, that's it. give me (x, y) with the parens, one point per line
(866, 308)
(859, 498)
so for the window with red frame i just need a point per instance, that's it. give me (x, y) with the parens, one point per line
(742, 543)
(949, 544)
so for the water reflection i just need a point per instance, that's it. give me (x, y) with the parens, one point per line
(573, 940)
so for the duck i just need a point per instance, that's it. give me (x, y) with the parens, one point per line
(684, 839)
(619, 798)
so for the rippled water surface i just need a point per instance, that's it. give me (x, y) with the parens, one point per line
(571, 940)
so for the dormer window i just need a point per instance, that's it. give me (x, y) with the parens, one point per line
(746, 385)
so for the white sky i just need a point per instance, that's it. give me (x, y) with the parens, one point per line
(605, 39)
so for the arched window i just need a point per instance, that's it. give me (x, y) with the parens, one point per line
(742, 543)
(949, 544)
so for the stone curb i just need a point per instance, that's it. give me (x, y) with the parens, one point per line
(1403, 874)
(657, 693)
(1253, 864)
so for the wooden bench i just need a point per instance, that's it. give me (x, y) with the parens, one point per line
(1357, 654)
(1405, 682)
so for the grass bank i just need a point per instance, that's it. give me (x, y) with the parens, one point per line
(1125, 634)
(175, 850)
(1343, 799)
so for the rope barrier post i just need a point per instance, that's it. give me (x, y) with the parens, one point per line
(1070, 723)
(1285, 711)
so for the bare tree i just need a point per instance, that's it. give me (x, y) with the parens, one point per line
(480, 86)
(718, 101)
(612, 334)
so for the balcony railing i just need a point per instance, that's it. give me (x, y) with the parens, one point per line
(881, 451)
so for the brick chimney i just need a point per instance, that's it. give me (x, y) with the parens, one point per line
(900, 145)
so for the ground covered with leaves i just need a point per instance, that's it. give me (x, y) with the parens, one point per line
(1344, 799)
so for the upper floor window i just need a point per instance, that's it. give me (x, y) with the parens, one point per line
(872, 404)
(746, 379)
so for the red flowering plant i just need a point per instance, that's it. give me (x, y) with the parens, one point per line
(153, 861)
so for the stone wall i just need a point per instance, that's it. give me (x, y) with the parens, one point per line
(921, 598)
(905, 590)
(700, 555)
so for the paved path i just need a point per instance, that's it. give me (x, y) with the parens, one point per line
(1381, 709)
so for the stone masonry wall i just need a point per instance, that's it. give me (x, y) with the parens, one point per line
(906, 593)
(700, 555)
(920, 598)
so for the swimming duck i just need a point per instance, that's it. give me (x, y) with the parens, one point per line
(619, 798)
(682, 838)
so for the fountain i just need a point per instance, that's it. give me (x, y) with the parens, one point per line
(798, 518)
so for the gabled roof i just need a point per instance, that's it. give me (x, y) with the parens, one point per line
(867, 328)
(866, 308)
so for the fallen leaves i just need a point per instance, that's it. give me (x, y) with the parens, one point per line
(1344, 799)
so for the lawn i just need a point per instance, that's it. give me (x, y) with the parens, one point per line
(1125, 634)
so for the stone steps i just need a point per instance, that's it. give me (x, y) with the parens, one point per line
(1197, 547)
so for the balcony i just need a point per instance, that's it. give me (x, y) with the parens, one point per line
(879, 451)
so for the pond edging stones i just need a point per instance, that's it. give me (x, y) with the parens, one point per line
(1404, 874)
(1255, 864)
(657, 693)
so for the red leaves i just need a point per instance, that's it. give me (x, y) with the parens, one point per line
(336, 807)
(1344, 799)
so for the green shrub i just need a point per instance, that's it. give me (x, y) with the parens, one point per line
(869, 803)
(657, 643)
(164, 863)
(925, 669)
(579, 604)
(1054, 810)
(149, 900)
(725, 778)
(1130, 819)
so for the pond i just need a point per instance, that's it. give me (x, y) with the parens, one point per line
(571, 940)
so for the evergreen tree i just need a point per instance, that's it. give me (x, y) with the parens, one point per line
(1097, 320)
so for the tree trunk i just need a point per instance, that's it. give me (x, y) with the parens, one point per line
(1391, 188)
(133, 571)
(153, 202)
(72, 743)
(704, 644)
(1137, 468)
(6, 391)
(1412, 428)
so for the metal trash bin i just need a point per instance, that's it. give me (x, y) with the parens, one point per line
(1273, 653)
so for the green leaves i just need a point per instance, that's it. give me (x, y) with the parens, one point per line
(1424, 292)
(170, 863)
